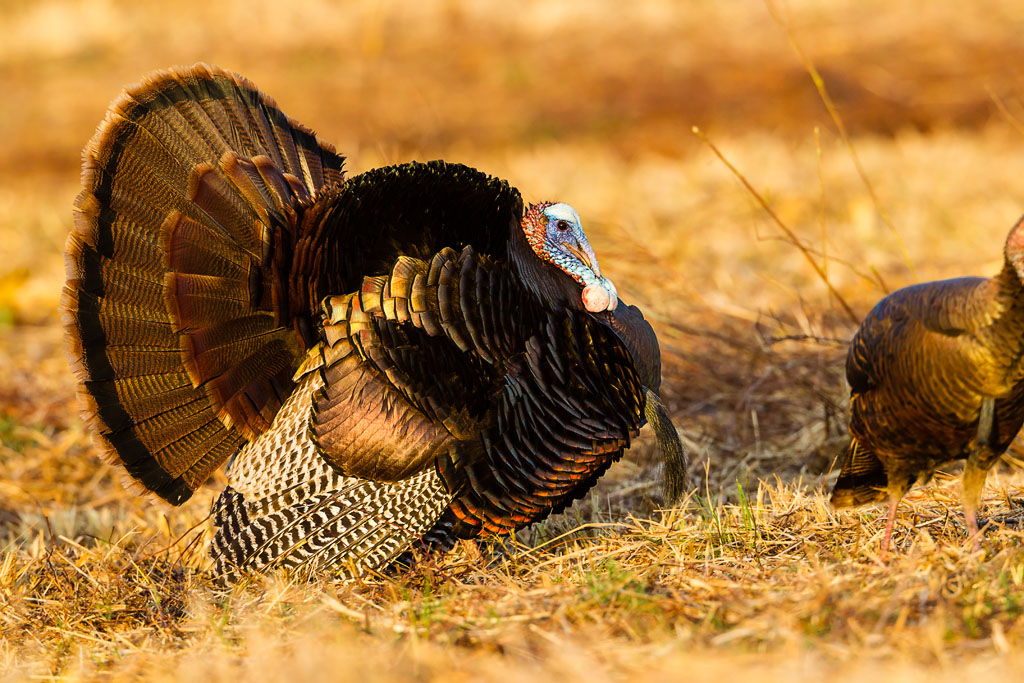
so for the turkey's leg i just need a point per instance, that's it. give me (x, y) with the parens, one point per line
(976, 469)
(986, 420)
(894, 500)
(971, 484)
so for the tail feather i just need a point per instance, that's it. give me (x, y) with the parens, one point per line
(862, 478)
(237, 347)
(192, 247)
(172, 310)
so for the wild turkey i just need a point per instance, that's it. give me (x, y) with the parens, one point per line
(403, 358)
(936, 373)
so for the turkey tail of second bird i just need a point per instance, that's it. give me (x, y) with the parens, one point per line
(177, 325)
(862, 478)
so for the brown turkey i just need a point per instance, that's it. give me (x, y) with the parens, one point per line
(394, 360)
(936, 373)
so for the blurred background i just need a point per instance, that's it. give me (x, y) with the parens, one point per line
(592, 103)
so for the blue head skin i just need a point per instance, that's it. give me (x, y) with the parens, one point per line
(555, 234)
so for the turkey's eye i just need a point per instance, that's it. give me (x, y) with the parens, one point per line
(562, 225)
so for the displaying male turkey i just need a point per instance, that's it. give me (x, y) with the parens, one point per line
(936, 373)
(399, 359)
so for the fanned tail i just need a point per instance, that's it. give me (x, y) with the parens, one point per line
(177, 325)
(303, 515)
(862, 479)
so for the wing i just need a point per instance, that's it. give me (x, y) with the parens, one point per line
(954, 308)
(568, 408)
(944, 316)
(937, 338)
(411, 363)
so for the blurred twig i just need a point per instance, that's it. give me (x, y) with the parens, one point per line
(1005, 111)
(793, 239)
(821, 201)
(833, 112)
(831, 341)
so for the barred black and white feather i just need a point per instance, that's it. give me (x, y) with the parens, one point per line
(302, 514)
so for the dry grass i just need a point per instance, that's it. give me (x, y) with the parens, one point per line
(779, 581)
(590, 103)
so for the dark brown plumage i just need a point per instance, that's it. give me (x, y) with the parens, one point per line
(936, 373)
(406, 356)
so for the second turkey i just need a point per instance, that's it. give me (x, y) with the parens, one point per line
(936, 373)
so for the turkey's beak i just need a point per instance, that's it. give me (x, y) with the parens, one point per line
(586, 256)
(600, 294)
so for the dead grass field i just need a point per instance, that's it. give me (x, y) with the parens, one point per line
(590, 103)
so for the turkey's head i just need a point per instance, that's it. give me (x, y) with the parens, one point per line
(555, 233)
(1014, 249)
